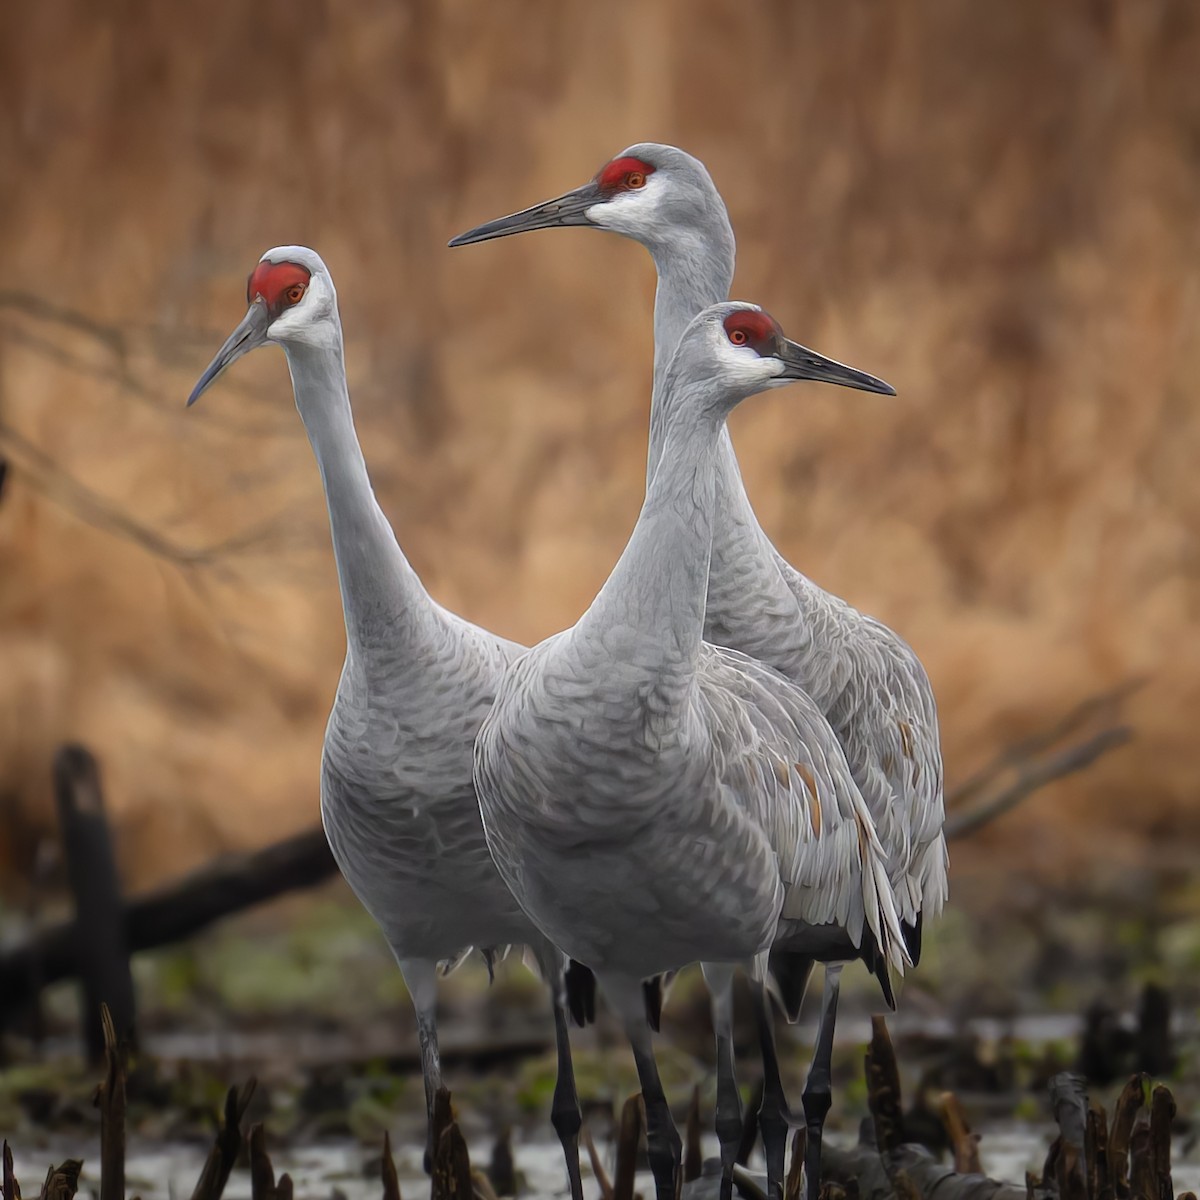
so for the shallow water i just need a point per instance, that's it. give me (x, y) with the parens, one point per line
(523, 1033)
(169, 1171)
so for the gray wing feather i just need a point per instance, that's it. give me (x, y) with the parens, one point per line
(870, 686)
(779, 759)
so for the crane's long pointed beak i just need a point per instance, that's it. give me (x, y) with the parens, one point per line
(251, 333)
(799, 362)
(567, 209)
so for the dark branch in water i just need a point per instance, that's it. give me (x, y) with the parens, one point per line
(1085, 1162)
(228, 885)
(451, 1168)
(387, 1171)
(227, 1147)
(110, 1100)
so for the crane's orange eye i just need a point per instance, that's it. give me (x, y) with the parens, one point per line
(295, 293)
(635, 179)
(737, 337)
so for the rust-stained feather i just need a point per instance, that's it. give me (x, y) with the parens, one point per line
(814, 809)
(864, 839)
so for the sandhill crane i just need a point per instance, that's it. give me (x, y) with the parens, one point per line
(866, 680)
(654, 800)
(397, 799)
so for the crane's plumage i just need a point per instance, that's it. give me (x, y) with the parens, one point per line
(653, 800)
(864, 678)
(397, 799)
(774, 836)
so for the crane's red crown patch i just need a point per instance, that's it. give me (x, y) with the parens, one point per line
(758, 330)
(273, 282)
(623, 174)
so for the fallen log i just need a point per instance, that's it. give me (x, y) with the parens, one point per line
(98, 944)
(863, 1167)
(237, 881)
(861, 1171)
(174, 911)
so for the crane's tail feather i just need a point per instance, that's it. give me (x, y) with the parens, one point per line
(880, 909)
(911, 931)
(446, 965)
(580, 985)
(932, 874)
(655, 991)
(877, 963)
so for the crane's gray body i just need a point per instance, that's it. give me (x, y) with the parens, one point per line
(397, 799)
(650, 823)
(653, 800)
(864, 678)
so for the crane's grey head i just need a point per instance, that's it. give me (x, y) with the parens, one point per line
(292, 301)
(734, 350)
(657, 195)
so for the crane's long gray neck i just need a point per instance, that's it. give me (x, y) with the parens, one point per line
(381, 594)
(695, 270)
(657, 589)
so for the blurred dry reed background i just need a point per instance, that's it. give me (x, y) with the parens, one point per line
(996, 207)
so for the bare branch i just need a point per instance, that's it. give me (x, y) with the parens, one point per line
(1033, 775)
(60, 486)
(119, 346)
(1102, 706)
(109, 336)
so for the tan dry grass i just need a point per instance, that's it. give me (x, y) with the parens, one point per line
(993, 206)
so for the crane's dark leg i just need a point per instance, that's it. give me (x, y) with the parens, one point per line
(564, 1108)
(773, 1113)
(818, 1090)
(421, 979)
(664, 1146)
(729, 1103)
(663, 1143)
